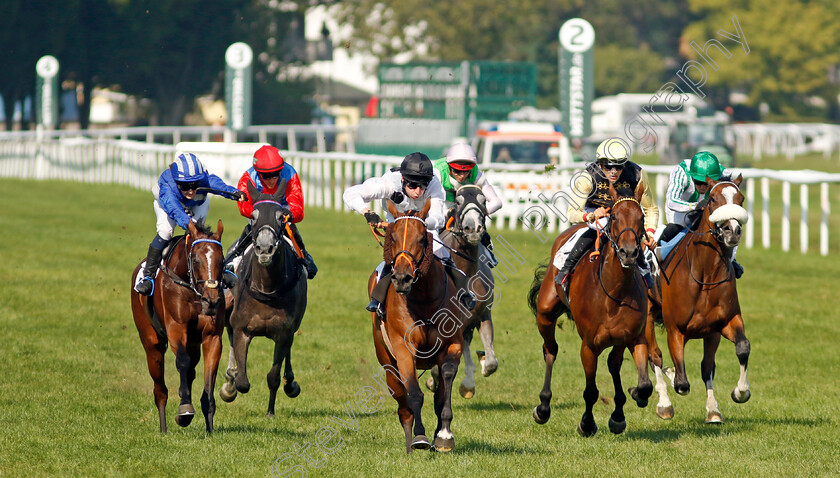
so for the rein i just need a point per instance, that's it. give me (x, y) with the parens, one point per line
(413, 262)
(605, 231)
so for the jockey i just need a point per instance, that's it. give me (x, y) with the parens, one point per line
(591, 199)
(269, 167)
(459, 167)
(408, 187)
(177, 203)
(683, 202)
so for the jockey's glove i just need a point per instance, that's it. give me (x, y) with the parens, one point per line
(701, 204)
(372, 218)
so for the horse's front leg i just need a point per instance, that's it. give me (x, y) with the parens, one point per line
(228, 390)
(643, 389)
(707, 372)
(406, 366)
(734, 331)
(467, 388)
(241, 341)
(186, 371)
(664, 407)
(676, 346)
(547, 323)
(589, 359)
(212, 350)
(617, 422)
(444, 440)
(489, 363)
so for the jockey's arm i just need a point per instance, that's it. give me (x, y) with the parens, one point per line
(245, 207)
(168, 200)
(677, 185)
(648, 205)
(294, 197)
(494, 203)
(581, 188)
(359, 197)
(436, 219)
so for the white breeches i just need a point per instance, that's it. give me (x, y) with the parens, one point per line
(166, 225)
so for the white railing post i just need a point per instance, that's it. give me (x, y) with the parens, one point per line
(803, 220)
(826, 208)
(785, 216)
(750, 216)
(765, 213)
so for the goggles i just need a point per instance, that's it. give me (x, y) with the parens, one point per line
(189, 186)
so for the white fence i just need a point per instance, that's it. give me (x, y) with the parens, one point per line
(531, 195)
(785, 139)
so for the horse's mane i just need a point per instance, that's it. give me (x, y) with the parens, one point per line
(425, 265)
(203, 228)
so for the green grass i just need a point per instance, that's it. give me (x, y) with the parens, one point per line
(77, 399)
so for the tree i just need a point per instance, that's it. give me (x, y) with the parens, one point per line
(790, 48)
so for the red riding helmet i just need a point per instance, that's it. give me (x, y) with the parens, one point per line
(267, 159)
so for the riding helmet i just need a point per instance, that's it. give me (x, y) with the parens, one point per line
(705, 164)
(267, 159)
(187, 168)
(417, 167)
(612, 152)
(461, 156)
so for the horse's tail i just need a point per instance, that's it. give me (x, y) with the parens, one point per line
(539, 277)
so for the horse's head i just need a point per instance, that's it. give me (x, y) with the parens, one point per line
(626, 227)
(408, 247)
(470, 211)
(204, 262)
(268, 218)
(725, 211)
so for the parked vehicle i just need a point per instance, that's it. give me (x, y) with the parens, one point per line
(521, 143)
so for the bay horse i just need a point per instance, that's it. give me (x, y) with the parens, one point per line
(423, 327)
(269, 299)
(464, 237)
(608, 302)
(699, 299)
(185, 312)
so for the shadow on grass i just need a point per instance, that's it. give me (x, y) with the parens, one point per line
(518, 407)
(467, 445)
(270, 428)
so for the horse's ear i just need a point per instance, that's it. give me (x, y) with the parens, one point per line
(393, 209)
(192, 230)
(639, 193)
(425, 211)
(738, 180)
(252, 192)
(281, 190)
(613, 193)
(220, 228)
(711, 182)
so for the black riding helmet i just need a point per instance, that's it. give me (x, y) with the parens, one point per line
(417, 167)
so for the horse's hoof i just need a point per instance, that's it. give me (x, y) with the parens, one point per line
(665, 413)
(585, 433)
(185, 414)
(430, 384)
(466, 392)
(641, 402)
(714, 417)
(228, 392)
(269, 415)
(444, 445)
(291, 390)
(740, 397)
(487, 366)
(242, 383)
(420, 442)
(682, 388)
(617, 427)
(537, 418)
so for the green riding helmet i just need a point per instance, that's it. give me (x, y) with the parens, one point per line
(705, 164)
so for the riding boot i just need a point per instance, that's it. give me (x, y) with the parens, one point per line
(308, 261)
(644, 270)
(487, 242)
(671, 230)
(586, 240)
(241, 244)
(461, 282)
(737, 268)
(380, 291)
(147, 283)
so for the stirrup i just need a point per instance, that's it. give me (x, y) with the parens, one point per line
(141, 289)
(737, 268)
(229, 278)
(375, 306)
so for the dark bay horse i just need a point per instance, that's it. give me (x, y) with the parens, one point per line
(608, 303)
(185, 312)
(699, 300)
(423, 327)
(269, 299)
(464, 236)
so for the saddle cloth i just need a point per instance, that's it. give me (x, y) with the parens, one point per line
(565, 249)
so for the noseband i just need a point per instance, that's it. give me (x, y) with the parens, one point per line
(193, 284)
(716, 228)
(414, 262)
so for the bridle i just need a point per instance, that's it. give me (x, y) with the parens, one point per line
(414, 262)
(606, 232)
(462, 209)
(268, 227)
(716, 230)
(717, 233)
(193, 283)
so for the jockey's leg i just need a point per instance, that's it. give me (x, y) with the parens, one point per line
(380, 290)
(228, 276)
(153, 257)
(458, 276)
(487, 242)
(736, 267)
(671, 230)
(644, 268)
(584, 242)
(308, 262)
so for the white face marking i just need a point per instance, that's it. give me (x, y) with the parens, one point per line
(729, 193)
(208, 256)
